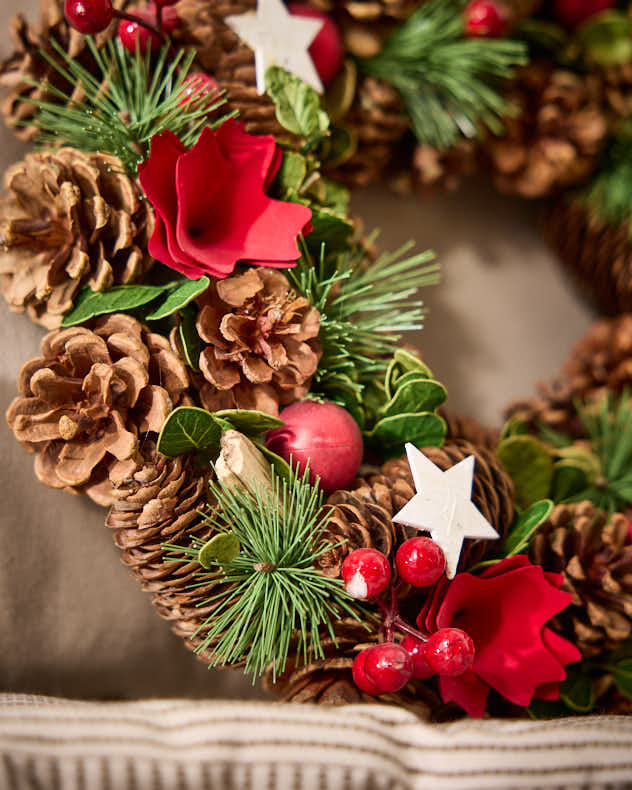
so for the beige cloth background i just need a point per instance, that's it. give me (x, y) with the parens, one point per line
(74, 624)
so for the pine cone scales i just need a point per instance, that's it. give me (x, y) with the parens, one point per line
(591, 550)
(86, 402)
(69, 219)
(262, 349)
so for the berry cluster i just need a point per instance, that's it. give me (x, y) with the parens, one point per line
(146, 27)
(389, 666)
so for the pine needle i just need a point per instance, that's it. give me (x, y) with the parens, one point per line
(448, 83)
(289, 599)
(134, 98)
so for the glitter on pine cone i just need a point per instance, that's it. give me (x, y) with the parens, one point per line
(592, 550)
(69, 219)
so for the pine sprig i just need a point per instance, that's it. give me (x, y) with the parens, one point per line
(277, 595)
(608, 196)
(134, 97)
(365, 308)
(448, 83)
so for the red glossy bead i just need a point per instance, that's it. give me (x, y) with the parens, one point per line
(365, 572)
(89, 16)
(416, 649)
(573, 13)
(163, 3)
(420, 561)
(326, 50)
(194, 86)
(323, 434)
(129, 31)
(485, 19)
(388, 667)
(450, 651)
(359, 675)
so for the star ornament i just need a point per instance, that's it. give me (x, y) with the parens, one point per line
(443, 506)
(279, 39)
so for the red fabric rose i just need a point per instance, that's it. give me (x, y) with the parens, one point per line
(211, 207)
(505, 611)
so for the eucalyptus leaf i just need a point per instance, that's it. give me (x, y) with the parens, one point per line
(297, 105)
(422, 430)
(403, 363)
(281, 467)
(529, 465)
(328, 228)
(179, 297)
(577, 691)
(221, 550)
(292, 172)
(513, 427)
(547, 709)
(623, 677)
(249, 422)
(415, 395)
(525, 527)
(568, 480)
(120, 299)
(189, 429)
(189, 336)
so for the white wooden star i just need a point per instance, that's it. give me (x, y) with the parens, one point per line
(279, 39)
(443, 506)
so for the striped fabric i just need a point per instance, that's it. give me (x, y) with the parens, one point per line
(183, 745)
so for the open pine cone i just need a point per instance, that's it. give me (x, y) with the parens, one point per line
(69, 219)
(601, 360)
(554, 140)
(261, 347)
(591, 549)
(86, 405)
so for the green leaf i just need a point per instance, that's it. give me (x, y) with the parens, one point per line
(415, 395)
(297, 104)
(606, 39)
(189, 337)
(281, 467)
(221, 549)
(292, 172)
(189, 429)
(623, 677)
(250, 422)
(122, 298)
(403, 364)
(577, 691)
(513, 427)
(547, 709)
(179, 297)
(329, 228)
(568, 480)
(525, 527)
(529, 465)
(423, 430)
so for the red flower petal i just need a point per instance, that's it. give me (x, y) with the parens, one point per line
(468, 691)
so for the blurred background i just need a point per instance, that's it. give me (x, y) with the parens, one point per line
(72, 621)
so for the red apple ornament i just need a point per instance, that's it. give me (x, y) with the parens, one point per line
(572, 13)
(326, 50)
(323, 434)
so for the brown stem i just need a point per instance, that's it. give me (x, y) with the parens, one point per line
(157, 31)
(264, 567)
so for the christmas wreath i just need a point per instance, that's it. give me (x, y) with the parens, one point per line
(225, 372)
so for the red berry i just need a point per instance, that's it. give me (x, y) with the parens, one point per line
(450, 652)
(195, 86)
(485, 19)
(326, 50)
(359, 675)
(89, 16)
(129, 31)
(416, 649)
(420, 561)
(365, 572)
(573, 13)
(163, 3)
(388, 667)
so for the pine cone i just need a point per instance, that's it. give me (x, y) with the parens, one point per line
(591, 550)
(601, 361)
(445, 168)
(69, 219)
(27, 63)
(599, 255)
(617, 88)
(87, 404)
(460, 427)
(554, 140)
(262, 349)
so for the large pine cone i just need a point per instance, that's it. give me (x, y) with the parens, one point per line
(69, 219)
(26, 63)
(598, 254)
(601, 361)
(261, 347)
(555, 139)
(592, 551)
(87, 404)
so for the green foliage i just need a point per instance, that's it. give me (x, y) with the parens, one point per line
(189, 429)
(365, 307)
(449, 83)
(277, 595)
(524, 528)
(530, 466)
(608, 196)
(133, 98)
(189, 337)
(297, 105)
(174, 296)
(622, 677)
(606, 39)
(221, 549)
